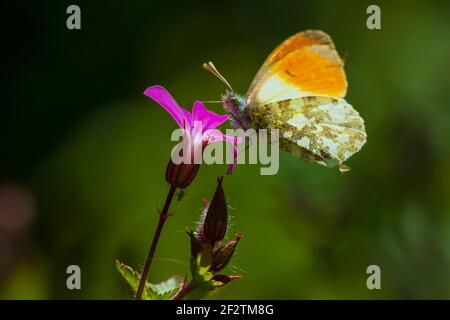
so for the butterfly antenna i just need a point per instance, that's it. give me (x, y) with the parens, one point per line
(212, 101)
(211, 68)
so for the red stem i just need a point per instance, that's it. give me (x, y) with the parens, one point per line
(183, 291)
(162, 219)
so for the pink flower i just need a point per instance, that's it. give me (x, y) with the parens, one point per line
(199, 126)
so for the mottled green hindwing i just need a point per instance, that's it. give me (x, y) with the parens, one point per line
(324, 130)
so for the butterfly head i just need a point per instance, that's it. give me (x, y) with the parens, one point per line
(233, 103)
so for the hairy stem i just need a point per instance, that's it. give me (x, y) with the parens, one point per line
(162, 219)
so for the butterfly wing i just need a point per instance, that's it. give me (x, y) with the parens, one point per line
(299, 90)
(319, 129)
(305, 64)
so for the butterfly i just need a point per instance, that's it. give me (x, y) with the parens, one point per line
(300, 90)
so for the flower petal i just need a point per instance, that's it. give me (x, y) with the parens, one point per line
(163, 97)
(209, 119)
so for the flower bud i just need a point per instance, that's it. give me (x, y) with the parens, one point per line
(181, 175)
(222, 255)
(213, 226)
(196, 244)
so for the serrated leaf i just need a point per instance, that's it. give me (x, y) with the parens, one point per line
(171, 284)
(161, 291)
(167, 289)
(133, 278)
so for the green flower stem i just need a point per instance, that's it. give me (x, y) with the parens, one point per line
(162, 219)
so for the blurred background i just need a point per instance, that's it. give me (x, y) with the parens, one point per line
(83, 151)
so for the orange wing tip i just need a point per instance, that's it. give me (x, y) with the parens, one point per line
(315, 70)
(298, 41)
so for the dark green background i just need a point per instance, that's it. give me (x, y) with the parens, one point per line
(78, 133)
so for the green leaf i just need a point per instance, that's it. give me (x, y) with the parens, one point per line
(166, 289)
(133, 278)
(198, 293)
(161, 291)
(201, 276)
